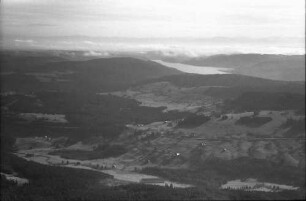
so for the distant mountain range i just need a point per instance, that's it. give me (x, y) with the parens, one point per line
(39, 73)
(276, 67)
(108, 74)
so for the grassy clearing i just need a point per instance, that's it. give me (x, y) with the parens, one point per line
(253, 121)
(192, 121)
(215, 172)
(210, 180)
(295, 127)
(99, 153)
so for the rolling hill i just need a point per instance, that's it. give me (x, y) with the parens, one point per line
(131, 118)
(232, 85)
(98, 75)
(277, 67)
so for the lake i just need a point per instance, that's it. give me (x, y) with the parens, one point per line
(204, 70)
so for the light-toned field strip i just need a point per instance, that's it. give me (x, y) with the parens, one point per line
(58, 118)
(254, 185)
(126, 176)
(19, 180)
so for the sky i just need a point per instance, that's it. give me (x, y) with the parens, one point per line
(175, 26)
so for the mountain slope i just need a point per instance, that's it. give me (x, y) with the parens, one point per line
(277, 67)
(193, 80)
(93, 75)
(234, 80)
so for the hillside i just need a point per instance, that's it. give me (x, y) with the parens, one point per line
(132, 119)
(232, 85)
(277, 67)
(229, 80)
(93, 75)
(24, 60)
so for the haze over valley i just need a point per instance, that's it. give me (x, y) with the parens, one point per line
(152, 100)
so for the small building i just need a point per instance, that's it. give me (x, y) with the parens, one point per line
(203, 144)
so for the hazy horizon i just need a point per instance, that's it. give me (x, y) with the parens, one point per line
(190, 28)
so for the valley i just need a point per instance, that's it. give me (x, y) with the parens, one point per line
(153, 125)
(152, 100)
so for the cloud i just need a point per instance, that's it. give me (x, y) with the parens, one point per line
(89, 42)
(41, 25)
(161, 18)
(96, 53)
(24, 41)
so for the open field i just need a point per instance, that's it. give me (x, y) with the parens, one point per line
(254, 185)
(42, 156)
(165, 94)
(56, 118)
(20, 181)
(164, 145)
(158, 143)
